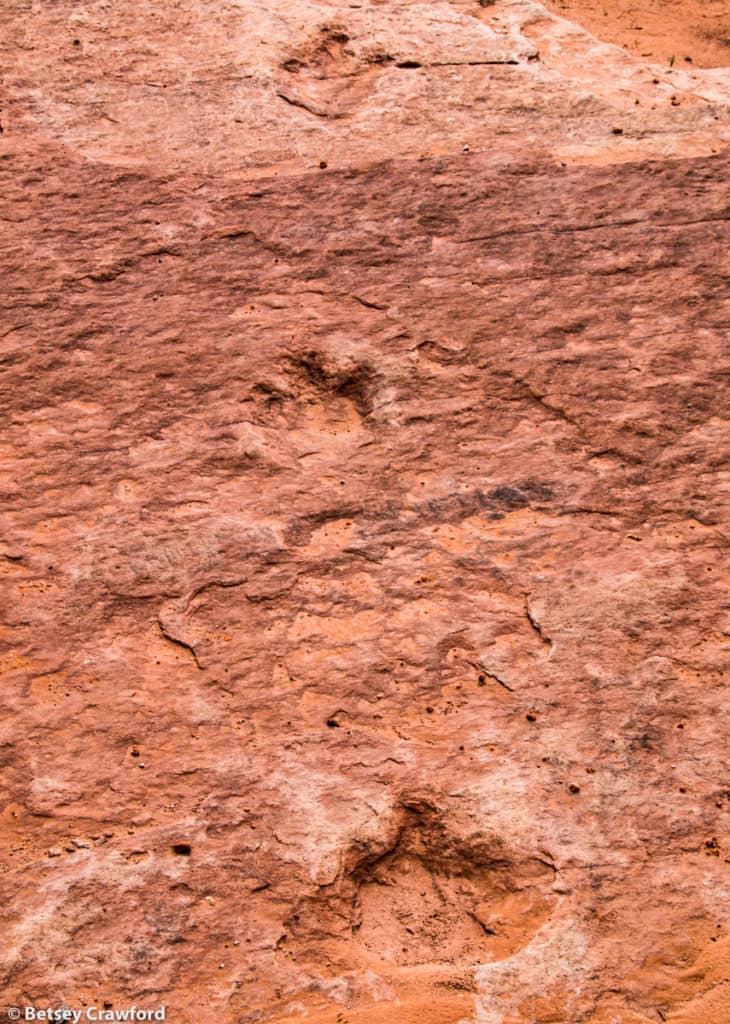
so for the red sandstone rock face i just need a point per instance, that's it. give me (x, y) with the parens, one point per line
(366, 624)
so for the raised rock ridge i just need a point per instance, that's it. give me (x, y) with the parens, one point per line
(365, 633)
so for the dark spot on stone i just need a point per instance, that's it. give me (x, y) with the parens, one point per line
(322, 165)
(533, 488)
(573, 788)
(182, 849)
(617, 131)
(530, 717)
(512, 497)
(429, 710)
(332, 723)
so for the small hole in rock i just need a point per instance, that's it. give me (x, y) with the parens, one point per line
(182, 849)
(332, 723)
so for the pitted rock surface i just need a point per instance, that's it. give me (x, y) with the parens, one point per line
(364, 549)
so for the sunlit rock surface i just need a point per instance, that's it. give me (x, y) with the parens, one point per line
(364, 498)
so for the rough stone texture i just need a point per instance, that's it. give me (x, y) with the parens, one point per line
(665, 31)
(365, 622)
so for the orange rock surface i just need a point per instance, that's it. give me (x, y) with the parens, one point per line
(364, 498)
(689, 31)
